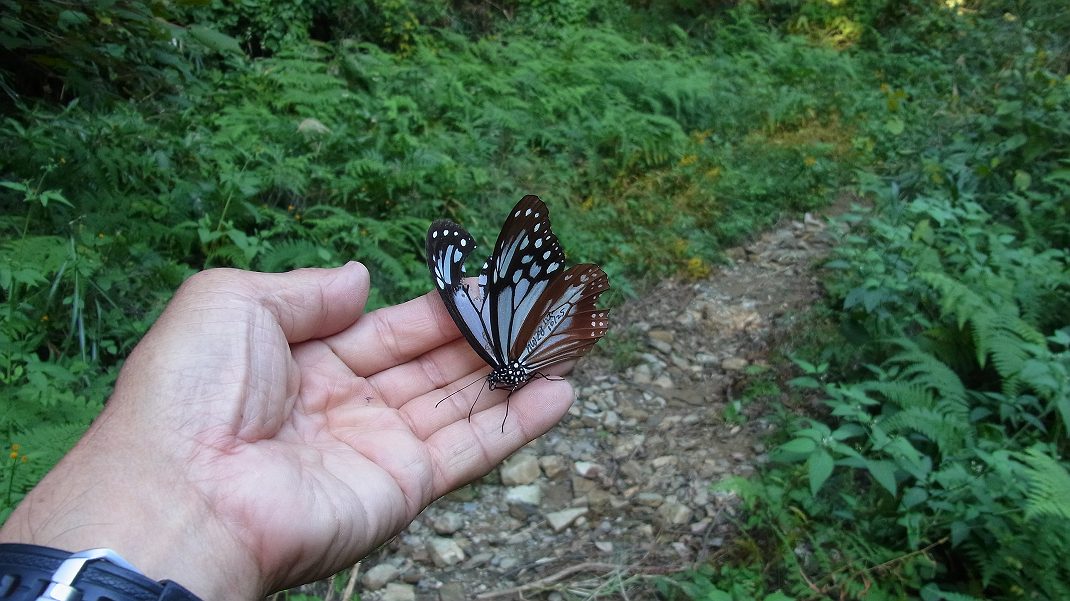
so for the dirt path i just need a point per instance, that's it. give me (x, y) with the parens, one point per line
(621, 488)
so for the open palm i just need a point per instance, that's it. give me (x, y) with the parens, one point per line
(281, 425)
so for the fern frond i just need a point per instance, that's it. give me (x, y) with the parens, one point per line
(946, 431)
(1049, 486)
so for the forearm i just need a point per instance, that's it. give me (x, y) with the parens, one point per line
(108, 493)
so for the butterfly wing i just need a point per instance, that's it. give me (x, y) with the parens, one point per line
(448, 245)
(540, 314)
(564, 323)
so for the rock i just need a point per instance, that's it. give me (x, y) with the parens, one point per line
(675, 513)
(447, 522)
(734, 364)
(379, 576)
(581, 486)
(604, 546)
(663, 381)
(452, 591)
(662, 346)
(664, 461)
(444, 551)
(706, 358)
(633, 470)
(559, 520)
(522, 468)
(398, 592)
(642, 374)
(523, 500)
(465, 493)
(662, 335)
(611, 421)
(650, 499)
(588, 469)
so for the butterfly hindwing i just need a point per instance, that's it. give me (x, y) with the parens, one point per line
(448, 245)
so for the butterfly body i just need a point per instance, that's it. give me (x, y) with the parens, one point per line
(525, 312)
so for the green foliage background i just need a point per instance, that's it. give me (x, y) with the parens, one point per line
(141, 142)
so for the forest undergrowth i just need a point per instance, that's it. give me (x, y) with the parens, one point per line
(922, 449)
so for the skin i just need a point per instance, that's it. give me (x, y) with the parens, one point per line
(267, 432)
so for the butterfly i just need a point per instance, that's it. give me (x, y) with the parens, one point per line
(526, 312)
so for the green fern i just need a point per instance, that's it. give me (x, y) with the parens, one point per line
(1049, 486)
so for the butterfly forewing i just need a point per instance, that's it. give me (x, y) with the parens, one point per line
(526, 259)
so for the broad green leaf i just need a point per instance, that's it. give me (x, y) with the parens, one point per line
(220, 42)
(884, 473)
(819, 467)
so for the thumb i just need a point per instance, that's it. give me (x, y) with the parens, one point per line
(306, 303)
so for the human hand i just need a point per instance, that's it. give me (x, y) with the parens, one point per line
(266, 433)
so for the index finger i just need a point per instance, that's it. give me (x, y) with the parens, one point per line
(394, 335)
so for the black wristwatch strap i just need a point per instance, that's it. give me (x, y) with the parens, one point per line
(33, 573)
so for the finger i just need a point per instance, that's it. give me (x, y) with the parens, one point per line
(465, 450)
(313, 303)
(467, 396)
(445, 368)
(306, 303)
(394, 335)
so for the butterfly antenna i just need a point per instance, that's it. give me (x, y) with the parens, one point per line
(460, 389)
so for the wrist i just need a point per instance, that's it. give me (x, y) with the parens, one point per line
(142, 511)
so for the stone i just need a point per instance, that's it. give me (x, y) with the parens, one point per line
(452, 591)
(734, 364)
(662, 335)
(588, 469)
(603, 546)
(379, 576)
(611, 421)
(663, 381)
(479, 559)
(523, 500)
(444, 551)
(664, 461)
(660, 345)
(559, 520)
(642, 374)
(522, 468)
(650, 499)
(398, 592)
(447, 522)
(675, 513)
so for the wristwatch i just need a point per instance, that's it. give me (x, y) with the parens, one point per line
(34, 573)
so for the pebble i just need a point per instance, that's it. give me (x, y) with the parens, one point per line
(379, 576)
(734, 364)
(559, 520)
(553, 465)
(452, 591)
(674, 513)
(398, 592)
(523, 500)
(447, 522)
(522, 468)
(588, 469)
(642, 374)
(663, 381)
(444, 551)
